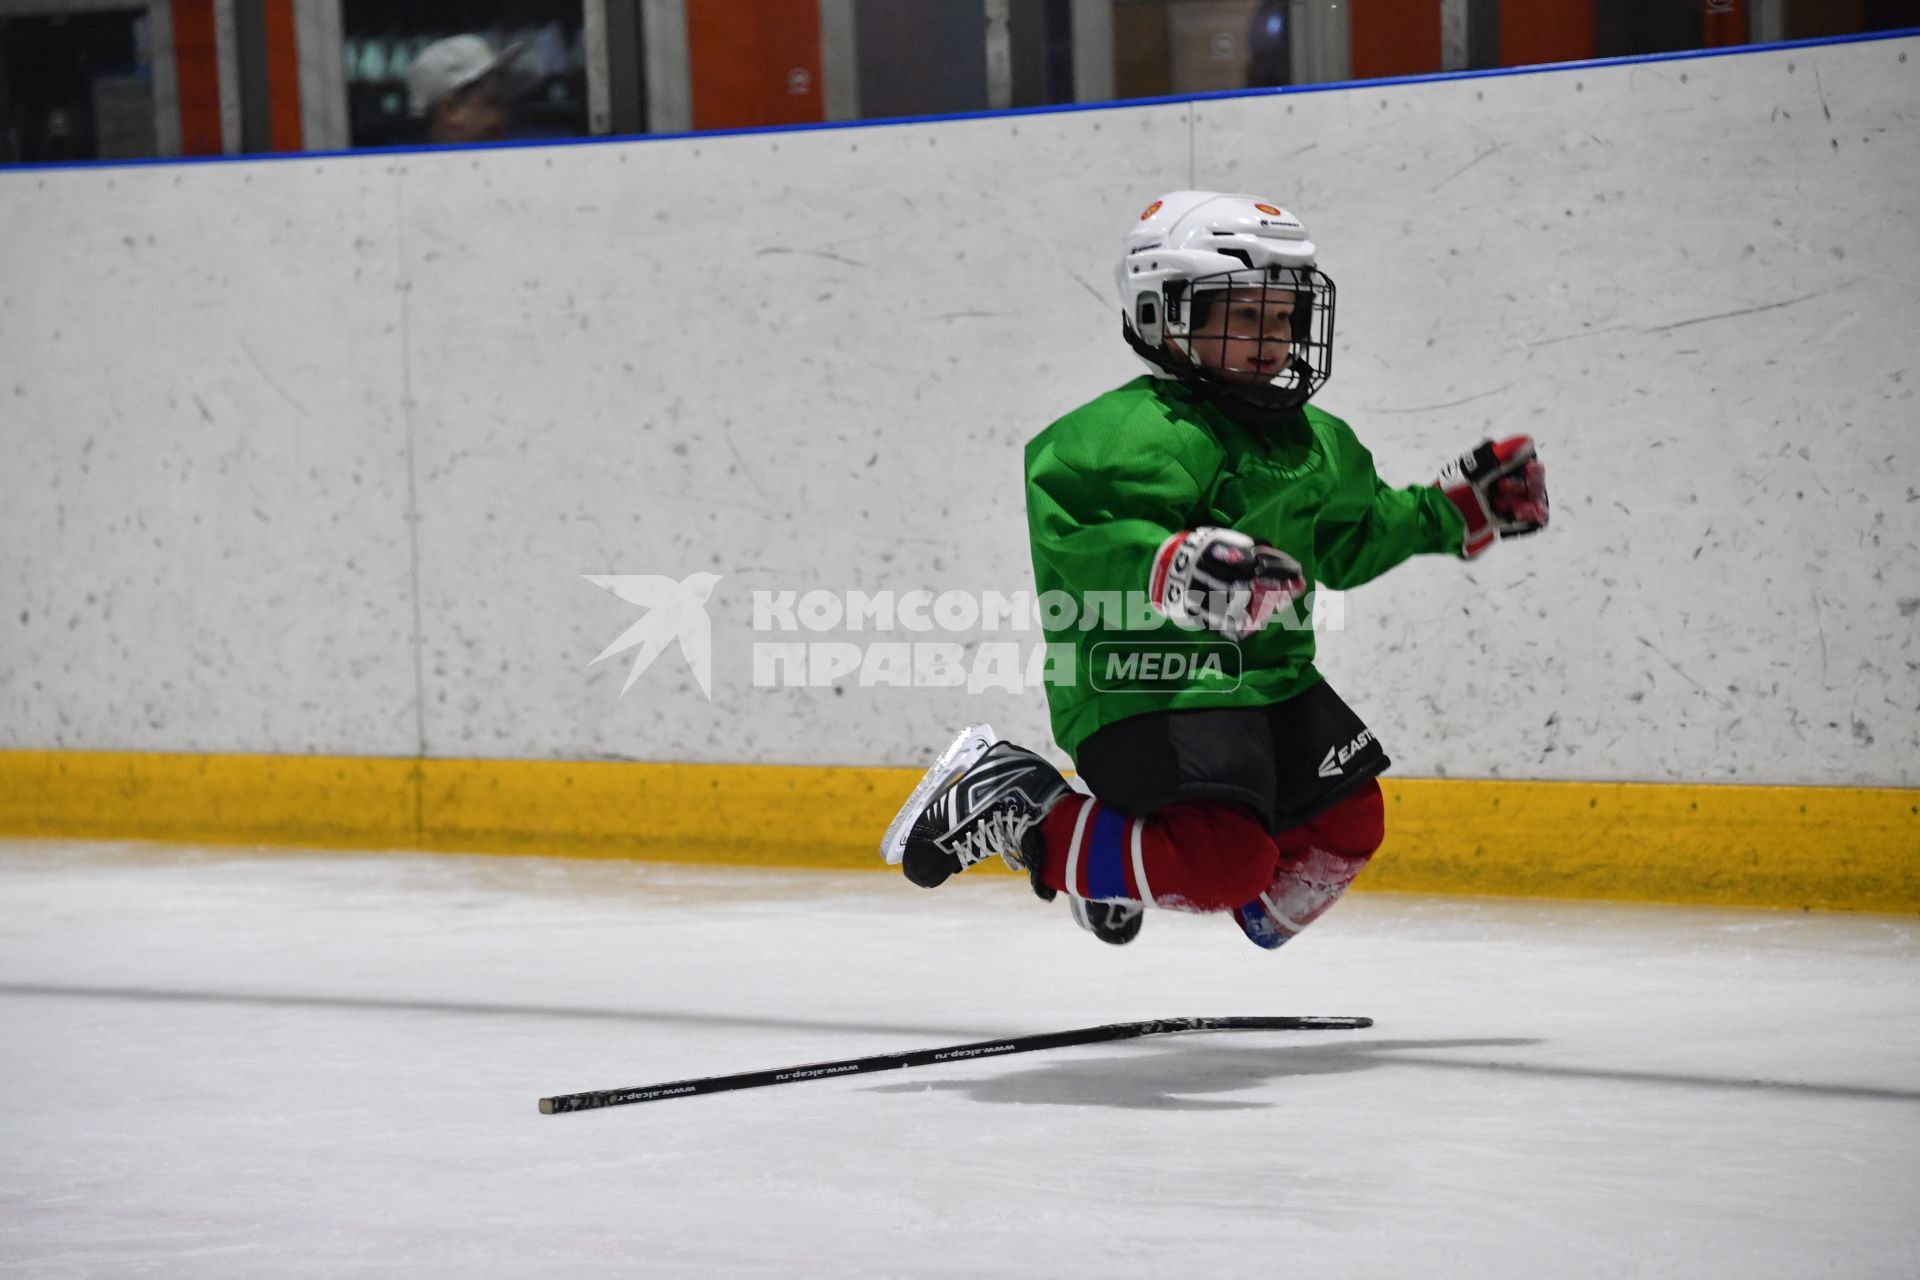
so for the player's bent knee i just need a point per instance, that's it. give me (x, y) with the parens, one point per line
(1218, 856)
(1355, 826)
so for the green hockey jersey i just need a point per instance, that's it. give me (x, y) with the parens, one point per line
(1109, 483)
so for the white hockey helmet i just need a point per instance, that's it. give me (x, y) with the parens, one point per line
(1192, 244)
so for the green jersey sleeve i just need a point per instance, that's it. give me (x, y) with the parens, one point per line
(1376, 526)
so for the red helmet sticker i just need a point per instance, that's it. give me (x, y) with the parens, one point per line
(1151, 210)
(1268, 209)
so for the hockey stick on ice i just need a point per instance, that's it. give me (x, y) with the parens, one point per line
(924, 1057)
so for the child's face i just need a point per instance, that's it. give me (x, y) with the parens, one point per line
(1245, 335)
(472, 113)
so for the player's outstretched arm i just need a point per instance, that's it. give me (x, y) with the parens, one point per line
(1368, 526)
(1500, 490)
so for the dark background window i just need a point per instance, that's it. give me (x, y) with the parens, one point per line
(547, 83)
(75, 87)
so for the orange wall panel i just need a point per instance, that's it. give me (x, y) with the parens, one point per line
(1535, 31)
(754, 62)
(283, 77)
(1395, 38)
(1723, 23)
(196, 52)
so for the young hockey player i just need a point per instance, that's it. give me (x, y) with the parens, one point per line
(1213, 489)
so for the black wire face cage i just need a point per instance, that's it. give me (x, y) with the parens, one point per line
(1262, 336)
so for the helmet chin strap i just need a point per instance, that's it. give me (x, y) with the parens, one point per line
(1266, 399)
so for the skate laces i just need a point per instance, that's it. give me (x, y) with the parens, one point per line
(997, 831)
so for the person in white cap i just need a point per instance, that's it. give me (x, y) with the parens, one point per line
(455, 85)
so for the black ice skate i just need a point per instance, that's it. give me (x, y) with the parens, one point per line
(1113, 922)
(980, 798)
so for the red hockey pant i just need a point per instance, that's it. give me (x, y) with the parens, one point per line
(1205, 855)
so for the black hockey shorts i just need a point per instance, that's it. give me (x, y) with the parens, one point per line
(1287, 761)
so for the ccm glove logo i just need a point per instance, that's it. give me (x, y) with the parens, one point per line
(1223, 581)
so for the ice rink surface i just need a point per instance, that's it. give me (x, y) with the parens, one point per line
(240, 1063)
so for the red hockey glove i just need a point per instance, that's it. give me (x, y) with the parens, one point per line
(1501, 489)
(1222, 580)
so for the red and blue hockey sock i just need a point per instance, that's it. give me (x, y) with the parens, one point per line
(1200, 855)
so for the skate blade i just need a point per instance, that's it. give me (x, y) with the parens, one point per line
(954, 761)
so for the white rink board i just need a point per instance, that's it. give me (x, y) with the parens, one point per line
(809, 360)
(203, 468)
(308, 1065)
(743, 380)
